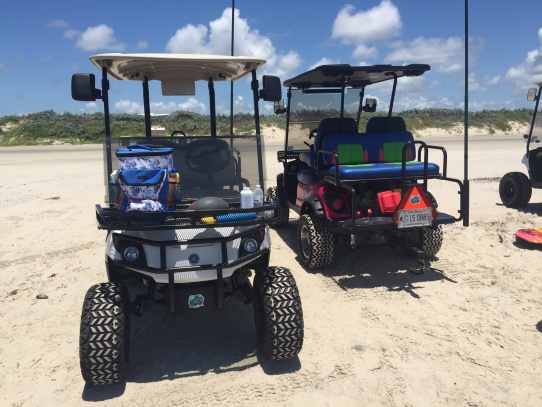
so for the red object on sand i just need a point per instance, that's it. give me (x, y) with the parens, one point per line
(530, 235)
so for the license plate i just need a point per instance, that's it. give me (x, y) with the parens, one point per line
(414, 218)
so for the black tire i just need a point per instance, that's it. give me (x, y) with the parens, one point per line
(104, 340)
(515, 189)
(315, 242)
(428, 239)
(278, 315)
(283, 213)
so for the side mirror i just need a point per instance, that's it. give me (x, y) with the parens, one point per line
(279, 107)
(272, 91)
(531, 94)
(370, 105)
(83, 87)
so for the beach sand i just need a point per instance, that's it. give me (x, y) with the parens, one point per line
(467, 332)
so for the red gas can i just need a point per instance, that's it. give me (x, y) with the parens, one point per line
(388, 201)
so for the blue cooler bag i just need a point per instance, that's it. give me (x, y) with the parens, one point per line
(138, 156)
(144, 190)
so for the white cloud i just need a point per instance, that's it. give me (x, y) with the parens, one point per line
(493, 80)
(530, 70)
(324, 61)
(99, 37)
(239, 101)
(247, 41)
(3, 68)
(131, 107)
(363, 51)
(141, 45)
(93, 38)
(127, 106)
(443, 54)
(189, 40)
(192, 105)
(376, 24)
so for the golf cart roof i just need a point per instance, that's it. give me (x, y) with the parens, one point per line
(330, 76)
(183, 67)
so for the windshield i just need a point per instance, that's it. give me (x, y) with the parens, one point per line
(208, 166)
(307, 110)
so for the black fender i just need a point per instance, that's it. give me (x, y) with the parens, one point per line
(281, 192)
(313, 205)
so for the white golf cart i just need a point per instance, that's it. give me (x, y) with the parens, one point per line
(516, 188)
(191, 253)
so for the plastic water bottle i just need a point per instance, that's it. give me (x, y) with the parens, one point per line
(247, 200)
(116, 193)
(258, 196)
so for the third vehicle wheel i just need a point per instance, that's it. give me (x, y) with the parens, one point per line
(515, 189)
(283, 213)
(278, 315)
(104, 339)
(315, 241)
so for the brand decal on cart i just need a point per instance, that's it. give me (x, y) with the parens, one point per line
(196, 301)
(415, 199)
(193, 258)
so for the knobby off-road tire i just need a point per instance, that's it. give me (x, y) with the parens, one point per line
(104, 339)
(278, 315)
(515, 189)
(315, 242)
(431, 240)
(283, 213)
(428, 239)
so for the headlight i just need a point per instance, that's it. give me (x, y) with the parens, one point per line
(131, 253)
(250, 245)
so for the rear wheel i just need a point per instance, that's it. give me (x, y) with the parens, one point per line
(283, 213)
(515, 189)
(278, 314)
(428, 239)
(104, 339)
(315, 241)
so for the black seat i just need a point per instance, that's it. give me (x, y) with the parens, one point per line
(333, 125)
(385, 124)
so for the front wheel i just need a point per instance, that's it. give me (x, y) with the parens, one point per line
(515, 189)
(104, 339)
(315, 241)
(278, 315)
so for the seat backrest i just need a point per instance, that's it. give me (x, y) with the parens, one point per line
(348, 146)
(334, 125)
(384, 124)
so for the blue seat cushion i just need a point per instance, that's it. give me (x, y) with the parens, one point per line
(307, 176)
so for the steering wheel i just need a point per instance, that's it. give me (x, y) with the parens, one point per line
(178, 131)
(208, 156)
(312, 134)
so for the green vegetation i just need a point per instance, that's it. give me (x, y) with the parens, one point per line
(48, 127)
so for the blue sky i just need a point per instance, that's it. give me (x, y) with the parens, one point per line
(44, 43)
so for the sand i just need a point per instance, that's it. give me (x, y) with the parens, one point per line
(467, 332)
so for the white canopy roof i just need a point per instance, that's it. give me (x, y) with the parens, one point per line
(178, 67)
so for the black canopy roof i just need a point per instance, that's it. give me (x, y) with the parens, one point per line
(332, 76)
